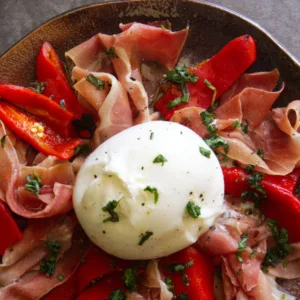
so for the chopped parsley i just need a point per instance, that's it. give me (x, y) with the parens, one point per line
(81, 150)
(144, 237)
(249, 169)
(3, 140)
(86, 123)
(130, 277)
(96, 82)
(181, 76)
(244, 127)
(62, 103)
(159, 159)
(181, 268)
(254, 181)
(40, 86)
(154, 191)
(239, 271)
(111, 53)
(170, 284)
(110, 207)
(216, 142)
(117, 295)
(276, 254)
(47, 265)
(205, 152)
(60, 277)
(236, 124)
(34, 184)
(207, 117)
(151, 135)
(242, 244)
(193, 210)
(213, 88)
(260, 153)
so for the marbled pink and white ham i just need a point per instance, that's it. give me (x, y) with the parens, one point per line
(249, 101)
(111, 104)
(139, 42)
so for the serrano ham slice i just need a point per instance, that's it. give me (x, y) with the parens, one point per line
(111, 103)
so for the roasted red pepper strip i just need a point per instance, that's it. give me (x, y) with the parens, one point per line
(98, 263)
(50, 70)
(221, 71)
(280, 203)
(49, 142)
(200, 274)
(10, 232)
(39, 105)
(103, 288)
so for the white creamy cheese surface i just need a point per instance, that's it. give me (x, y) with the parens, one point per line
(122, 168)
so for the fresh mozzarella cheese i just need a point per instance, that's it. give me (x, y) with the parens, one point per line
(133, 192)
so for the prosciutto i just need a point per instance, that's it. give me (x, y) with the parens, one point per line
(34, 285)
(112, 104)
(57, 178)
(275, 132)
(139, 42)
(28, 252)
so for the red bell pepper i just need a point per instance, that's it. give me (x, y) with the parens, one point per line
(40, 106)
(65, 291)
(98, 263)
(221, 71)
(280, 203)
(50, 70)
(102, 289)
(200, 274)
(10, 230)
(43, 137)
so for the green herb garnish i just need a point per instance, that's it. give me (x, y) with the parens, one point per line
(250, 169)
(154, 191)
(111, 53)
(260, 153)
(205, 152)
(214, 89)
(276, 254)
(34, 184)
(3, 140)
(179, 267)
(82, 150)
(130, 277)
(215, 142)
(117, 295)
(207, 117)
(40, 86)
(181, 76)
(193, 210)
(60, 277)
(160, 159)
(170, 284)
(244, 127)
(151, 135)
(242, 244)
(62, 103)
(96, 82)
(144, 237)
(236, 124)
(47, 265)
(254, 181)
(110, 207)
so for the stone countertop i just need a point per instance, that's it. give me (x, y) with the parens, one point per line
(280, 17)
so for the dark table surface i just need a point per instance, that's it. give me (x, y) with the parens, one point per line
(280, 17)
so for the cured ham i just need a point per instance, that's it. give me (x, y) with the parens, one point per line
(34, 285)
(140, 42)
(56, 194)
(275, 132)
(111, 104)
